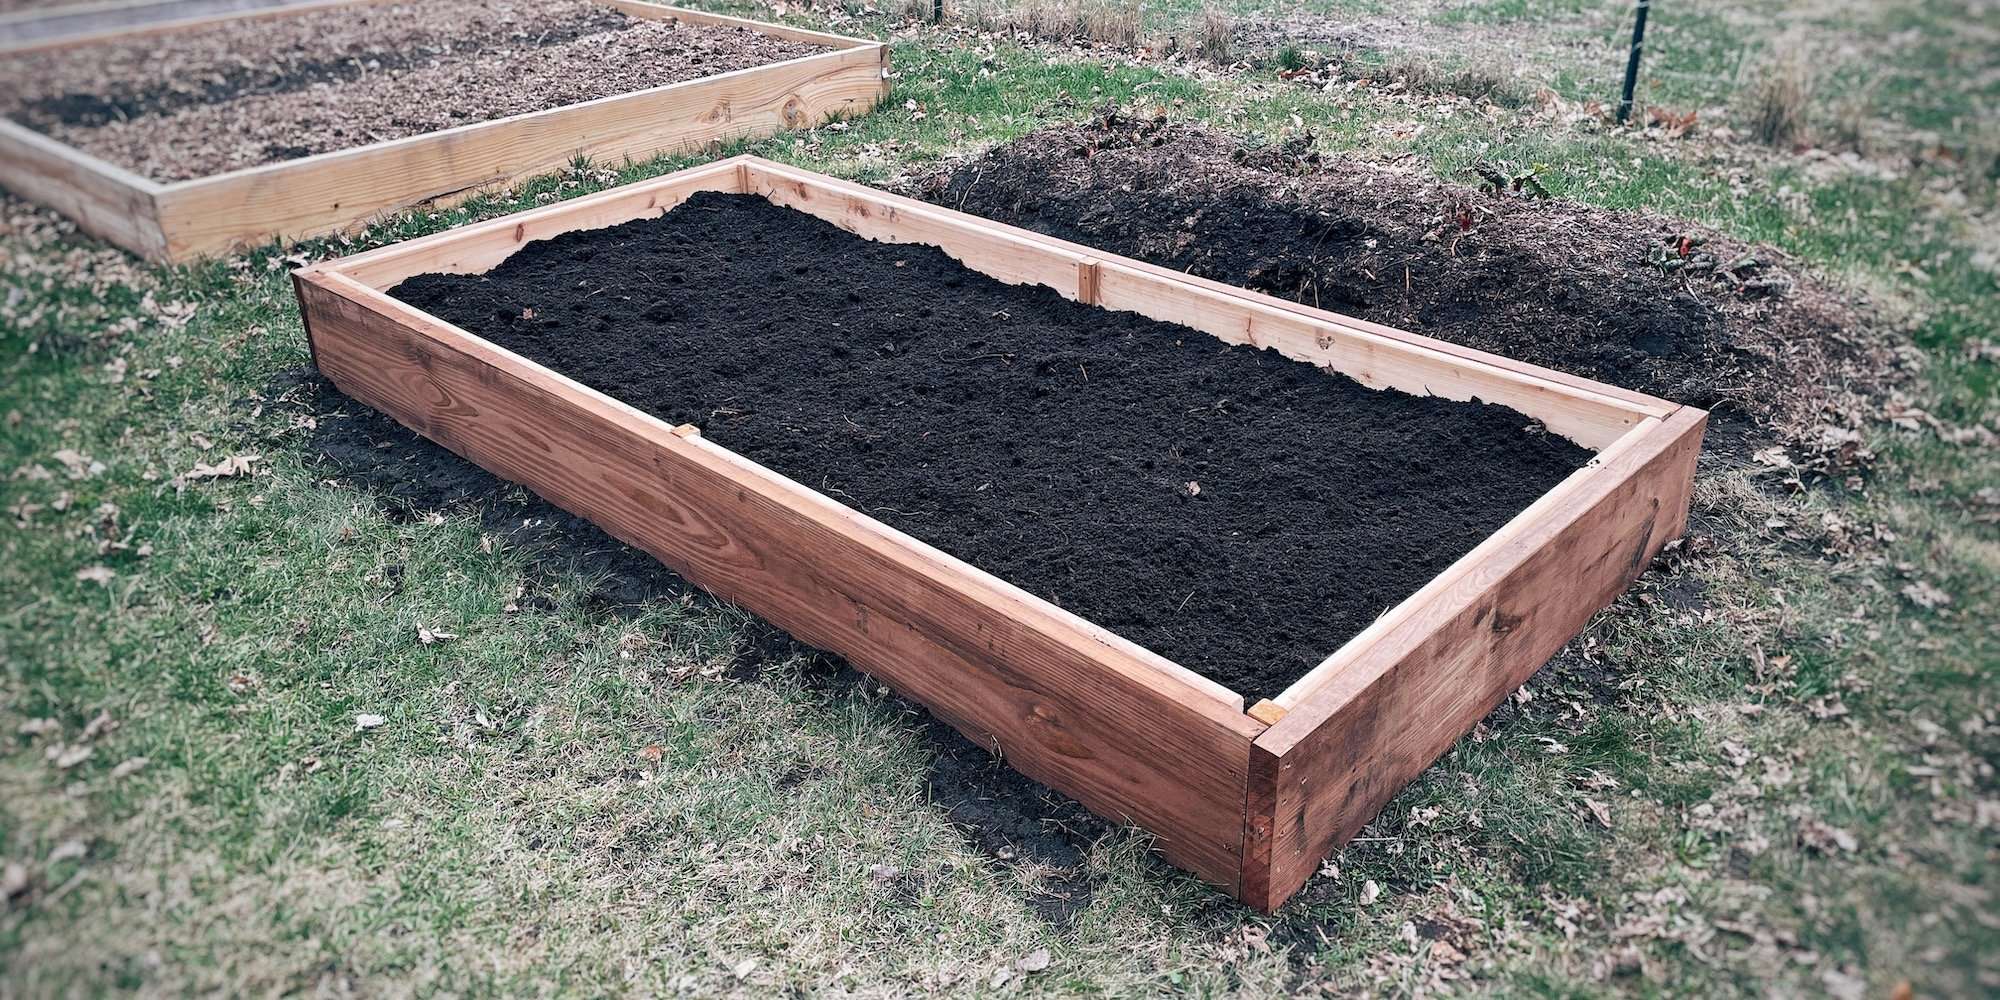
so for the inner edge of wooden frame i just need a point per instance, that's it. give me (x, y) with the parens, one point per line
(1546, 509)
(736, 175)
(911, 550)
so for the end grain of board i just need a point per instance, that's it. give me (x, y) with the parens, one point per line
(1249, 800)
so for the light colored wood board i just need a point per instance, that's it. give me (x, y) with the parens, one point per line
(1593, 419)
(982, 245)
(1063, 706)
(331, 192)
(120, 30)
(664, 12)
(1537, 517)
(1334, 760)
(1642, 404)
(479, 247)
(105, 200)
(49, 26)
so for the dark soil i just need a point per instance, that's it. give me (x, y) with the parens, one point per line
(1003, 813)
(1641, 302)
(247, 92)
(1235, 511)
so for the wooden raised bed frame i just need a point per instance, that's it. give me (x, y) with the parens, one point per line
(343, 189)
(1249, 800)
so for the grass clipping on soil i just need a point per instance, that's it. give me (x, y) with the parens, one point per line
(1647, 303)
(1231, 509)
(250, 92)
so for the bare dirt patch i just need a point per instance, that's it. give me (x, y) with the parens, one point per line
(252, 92)
(1648, 303)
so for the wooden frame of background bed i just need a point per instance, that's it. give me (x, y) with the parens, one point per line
(344, 189)
(1250, 798)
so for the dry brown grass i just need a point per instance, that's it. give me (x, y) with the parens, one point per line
(1217, 37)
(1114, 23)
(1779, 96)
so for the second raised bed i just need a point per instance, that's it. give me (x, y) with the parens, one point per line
(1249, 796)
(295, 196)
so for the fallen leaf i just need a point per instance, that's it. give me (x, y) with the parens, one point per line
(13, 880)
(743, 969)
(1034, 961)
(1599, 810)
(99, 725)
(651, 754)
(234, 465)
(1370, 892)
(1924, 594)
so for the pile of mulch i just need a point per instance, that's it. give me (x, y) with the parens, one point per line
(1236, 511)
(1653, 304)
(251, 92)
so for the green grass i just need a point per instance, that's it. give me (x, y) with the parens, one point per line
(501, 831)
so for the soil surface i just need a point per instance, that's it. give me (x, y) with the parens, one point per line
(1641, 302)
(251, 92)
(1231, 509)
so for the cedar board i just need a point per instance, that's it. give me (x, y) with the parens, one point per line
(1249, 798)
(342, 190)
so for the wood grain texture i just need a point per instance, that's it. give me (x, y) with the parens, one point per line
(105, 200)
(1403, 695)
(1063, 702)
(477, 248)
(333, 191)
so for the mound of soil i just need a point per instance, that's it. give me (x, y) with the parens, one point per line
(1650, 304)
(249, 92)
(1234, 510)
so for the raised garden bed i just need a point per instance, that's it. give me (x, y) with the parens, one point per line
(198, 137)
(807, 424)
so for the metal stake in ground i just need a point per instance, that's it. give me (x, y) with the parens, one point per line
(1632, 61)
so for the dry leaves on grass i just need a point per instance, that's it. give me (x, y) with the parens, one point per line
(228, 468)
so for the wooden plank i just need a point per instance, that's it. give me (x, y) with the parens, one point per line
(333, 191)
(1586, 415)
(1405, 694)
(1064, 702)
(105, 200)
(985, 246)
(479, 247)
(91, 24)
(1641, 403)
(664, 12)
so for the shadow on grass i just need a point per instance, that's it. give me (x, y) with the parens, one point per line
(1011, 819)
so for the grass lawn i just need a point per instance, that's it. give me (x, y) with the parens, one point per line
(266, 730)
